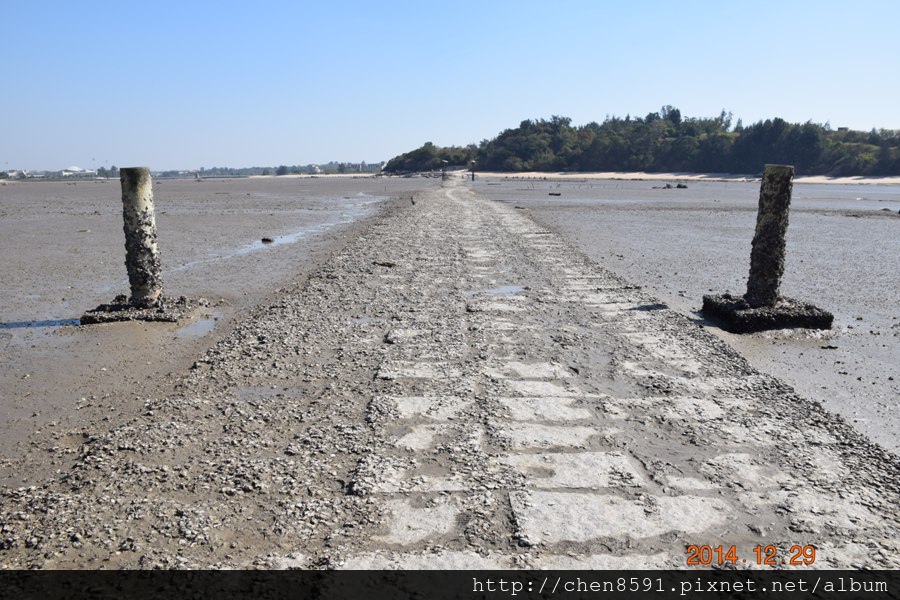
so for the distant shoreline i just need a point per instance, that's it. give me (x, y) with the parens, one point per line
(643, 176)
(532, 176)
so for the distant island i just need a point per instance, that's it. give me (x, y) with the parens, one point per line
(665, 141)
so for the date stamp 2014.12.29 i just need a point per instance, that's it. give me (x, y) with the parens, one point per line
(770, 555)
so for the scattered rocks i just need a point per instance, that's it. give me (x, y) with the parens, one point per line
(283, 448)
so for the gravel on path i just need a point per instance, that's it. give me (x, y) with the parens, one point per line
(459, 388)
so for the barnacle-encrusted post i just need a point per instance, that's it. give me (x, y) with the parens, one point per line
(141, 251)
(767, 254)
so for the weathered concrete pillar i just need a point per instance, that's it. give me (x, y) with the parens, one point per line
(141, 251)
(762, 307)
(767, 254)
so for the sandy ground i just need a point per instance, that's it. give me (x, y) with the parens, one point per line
(843, 255)
(456, 386)
(676, 177)
(62, 250)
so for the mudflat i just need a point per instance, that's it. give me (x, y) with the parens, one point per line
(62, 249)
(456, 386)
(843, 255)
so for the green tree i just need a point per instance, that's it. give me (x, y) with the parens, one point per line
(424, 158)
(669, 141)
(671, 114)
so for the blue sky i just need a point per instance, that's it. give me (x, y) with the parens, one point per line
(183, 85)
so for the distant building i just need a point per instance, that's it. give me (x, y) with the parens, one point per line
(78, 172)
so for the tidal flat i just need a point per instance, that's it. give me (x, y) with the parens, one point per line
(446, 381)
(62, 249)
(843, 254)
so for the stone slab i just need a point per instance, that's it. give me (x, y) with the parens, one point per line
(608, 562)
(411, 370)
(545, 409)
(408, 524)
(408, 480)
(746, 470)
(520, 370)
(540, 388)
(670, 407)
(553, 517)
(426, 561)
(421, 437)
(536, 435)
(436, 408)
(576, 470)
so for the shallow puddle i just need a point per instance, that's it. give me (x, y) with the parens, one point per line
(47, 323)
(201, 327)
(346, 216)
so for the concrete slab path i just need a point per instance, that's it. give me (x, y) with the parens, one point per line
(458, 388)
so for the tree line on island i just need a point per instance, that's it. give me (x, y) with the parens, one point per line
(665, 141)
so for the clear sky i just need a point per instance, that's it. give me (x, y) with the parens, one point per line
(189, 84)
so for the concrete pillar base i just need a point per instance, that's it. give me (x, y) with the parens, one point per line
(170, 310)
(736, 315)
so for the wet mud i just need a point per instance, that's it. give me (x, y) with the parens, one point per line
(375, 413)
(842, 255)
